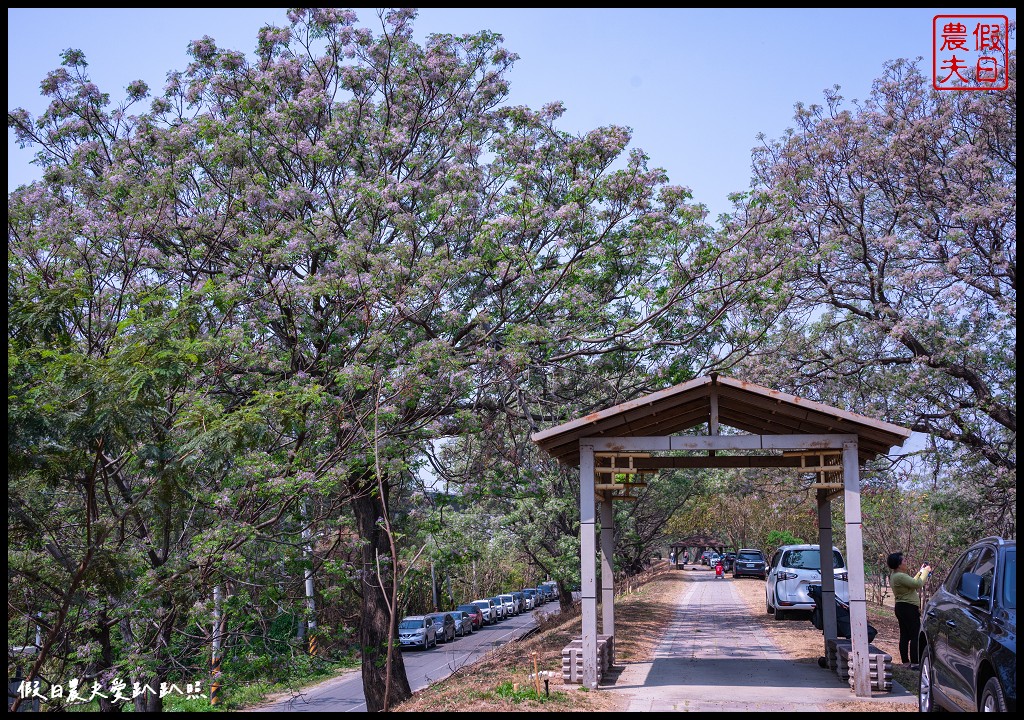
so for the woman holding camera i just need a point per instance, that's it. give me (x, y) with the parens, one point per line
(908, 605)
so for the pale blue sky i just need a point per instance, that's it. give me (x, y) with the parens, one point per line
(695, 85)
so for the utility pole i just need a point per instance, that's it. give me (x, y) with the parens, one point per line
(433, 586)
(215, 658)
(310, 600)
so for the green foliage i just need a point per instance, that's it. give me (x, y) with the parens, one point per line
(777, 538)
(507, 691)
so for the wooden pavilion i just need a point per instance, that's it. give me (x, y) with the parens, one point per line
(615, 448)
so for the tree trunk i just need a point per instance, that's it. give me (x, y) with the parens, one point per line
(564, 597)
(373, 634)
(101, 634)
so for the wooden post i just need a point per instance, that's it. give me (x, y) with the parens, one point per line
(828, 579)
(607, 568)
(536, 677)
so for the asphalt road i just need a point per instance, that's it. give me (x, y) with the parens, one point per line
(423, 667)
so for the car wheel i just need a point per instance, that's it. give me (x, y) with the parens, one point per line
(925, 696)
(992, 698)
(780, 614)
(768, 605)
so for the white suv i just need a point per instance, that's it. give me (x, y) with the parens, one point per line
(510, 604)
(794, 567)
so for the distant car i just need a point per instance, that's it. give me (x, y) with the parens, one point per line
(713, 559)
(529, 601)
(791, 570)
(968, 640)
(444, 626)
(417, 631)
(475, 614)
(533, 595)
(520, 601)
(750, 563)
(550, 589)
(704, 557)
(727, 561)
(510, 604)
(463, 622)
(499, 607)
(487, 607)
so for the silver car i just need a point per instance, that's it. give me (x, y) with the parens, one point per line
(794, 567)
(417, 631)
(463, 622)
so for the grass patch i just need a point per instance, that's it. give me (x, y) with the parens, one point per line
(508, 691)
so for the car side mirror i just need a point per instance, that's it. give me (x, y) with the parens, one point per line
(970, 587)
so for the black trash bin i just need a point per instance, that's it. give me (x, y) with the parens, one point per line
(842, 615)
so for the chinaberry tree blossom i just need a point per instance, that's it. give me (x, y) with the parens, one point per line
(897, 221)
(350, 244)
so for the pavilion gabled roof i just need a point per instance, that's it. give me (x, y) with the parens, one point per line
(742, 405)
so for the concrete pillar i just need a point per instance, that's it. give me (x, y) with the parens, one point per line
(607, 570)
(855, 562)
(588, 566)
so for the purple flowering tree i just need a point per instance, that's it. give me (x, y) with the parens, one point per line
(895, 221)
(344, 247)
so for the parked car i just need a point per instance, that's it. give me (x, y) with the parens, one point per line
(475, 614)
(417, 631)
(528, 600)
(463, 622)
(533, 595)
(510, 604)
(727, 561)
(713, 559)
(444, 625)
(750, 563)
(968, 640)
(550, 589)
(704, 557)
(791, 570)
(487, 608)
(499, 607)
(520, 601)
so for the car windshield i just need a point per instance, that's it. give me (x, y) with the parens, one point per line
(809, 559)
(1010, 579)
(749, 557)
(469, 608)
(483, 604)
(410, 624)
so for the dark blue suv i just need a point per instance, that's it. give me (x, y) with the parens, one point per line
(968, 638)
